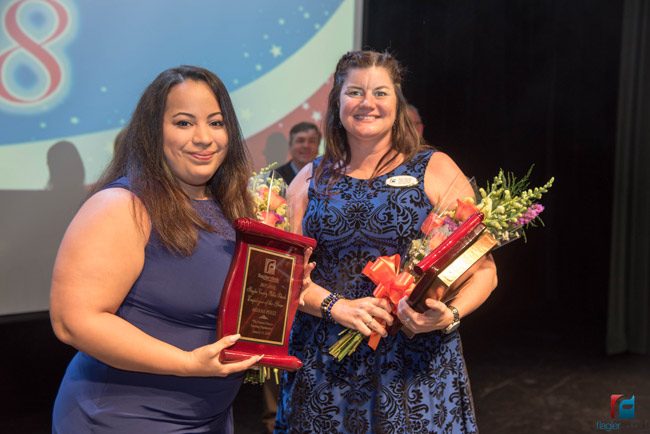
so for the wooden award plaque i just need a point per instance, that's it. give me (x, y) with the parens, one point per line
(261, 293)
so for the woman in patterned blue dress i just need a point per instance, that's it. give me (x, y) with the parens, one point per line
(138, 276)
(347, 200)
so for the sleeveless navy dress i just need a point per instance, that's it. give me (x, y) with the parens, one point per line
(417, 385)
(175, 299)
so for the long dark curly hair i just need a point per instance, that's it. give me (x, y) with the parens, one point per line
(405, 138)
(140, 158)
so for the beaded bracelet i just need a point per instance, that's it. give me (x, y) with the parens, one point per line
(327, 304)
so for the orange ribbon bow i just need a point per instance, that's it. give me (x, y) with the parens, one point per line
(392, 284)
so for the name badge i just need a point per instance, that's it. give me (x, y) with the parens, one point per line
(402, 181)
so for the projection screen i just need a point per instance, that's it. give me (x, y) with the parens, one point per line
(71, 72)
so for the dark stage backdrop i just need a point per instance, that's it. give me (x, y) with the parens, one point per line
(509, 83)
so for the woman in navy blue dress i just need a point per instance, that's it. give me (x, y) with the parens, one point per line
(138, 276)
(368, 197)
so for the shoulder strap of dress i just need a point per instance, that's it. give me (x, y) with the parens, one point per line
(417, 165)
(315, 163)
(122, 182)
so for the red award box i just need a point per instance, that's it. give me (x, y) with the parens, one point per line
(449, 263)
(261, 293)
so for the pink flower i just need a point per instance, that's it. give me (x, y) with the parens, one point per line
(274, 200)
(431, 222)
(531, 214)
(450, 223)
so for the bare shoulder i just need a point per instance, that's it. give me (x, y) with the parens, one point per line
(300, 185)
(298, 197)
(112, 207)
(441, 165)
(108, 218)
(444, 178)
(101, 254)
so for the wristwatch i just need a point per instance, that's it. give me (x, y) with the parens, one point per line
(455, 323)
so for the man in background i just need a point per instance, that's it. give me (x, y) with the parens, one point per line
(304, 139)
(414, 115)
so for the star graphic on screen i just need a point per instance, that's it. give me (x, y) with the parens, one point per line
(316, 116)
(258, 67)
(281, 21)
(276, 50)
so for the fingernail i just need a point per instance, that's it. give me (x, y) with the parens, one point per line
(234, 338)
(260, 357)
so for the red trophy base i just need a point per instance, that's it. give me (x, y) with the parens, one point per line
(261, 294)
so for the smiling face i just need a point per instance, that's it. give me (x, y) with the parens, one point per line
(303, 147)
(195, 140)
(368, 104)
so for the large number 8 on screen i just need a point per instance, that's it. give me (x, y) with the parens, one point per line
(37, 50)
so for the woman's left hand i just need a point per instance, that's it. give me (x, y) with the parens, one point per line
(437, 317)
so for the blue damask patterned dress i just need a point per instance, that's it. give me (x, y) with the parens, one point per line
(417, 385)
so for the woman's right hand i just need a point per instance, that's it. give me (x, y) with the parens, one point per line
(204, 361)
(307, 283)
(367, 315)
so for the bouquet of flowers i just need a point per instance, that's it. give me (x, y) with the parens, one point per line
(506, 206)
(268, 190)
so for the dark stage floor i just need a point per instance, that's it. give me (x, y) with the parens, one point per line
(526, 379)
